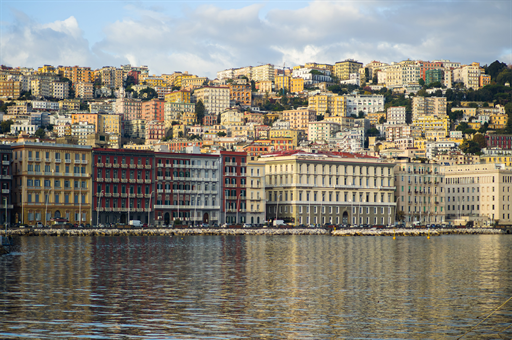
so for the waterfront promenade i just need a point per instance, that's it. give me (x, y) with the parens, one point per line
(259, 231)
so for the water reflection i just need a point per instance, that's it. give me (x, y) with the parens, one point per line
(306, 287)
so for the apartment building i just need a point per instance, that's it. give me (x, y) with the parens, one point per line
(399, 75)
(364, 103)
(84, 90)
(299, 118)
(188, 187)
(10, 89)
(420, 192)
(153, 110)
(469, 75)
(234, 183)
(255, 193)
(6, 184)
(322, 130)
(90, 118)
(130, 108)
(52, 181)
(262, 73)
(173, 111)
(215, 98)
(328, 187)
(432, 122)
(240, 93)
(182, 96)
(135, 128)
(478, 191)
(77, 74)
(123, 186)
(343, 69)
(328, 105)
(396, 115)
(422, 106)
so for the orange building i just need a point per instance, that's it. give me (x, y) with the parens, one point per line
(77, 74)
(153, 110)
(240, 93)
(90, 118)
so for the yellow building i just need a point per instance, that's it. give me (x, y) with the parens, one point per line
(435, 134)
(281, 82)
(53, 181)
(420, 143)
(498, 159)
(182, 96)
(343, 69)
(296, 85)
(264, 86)
(294, 135)
(69, 104)
(375, 117)
(188, 118)
(77, 74)
(176, 129)
(498, 121)
(474, 125)
(328, 105)
(90, 118)
(154, 81)
(320, 66)
(431, 122)
(47, 69)
(110, 124)
(345, 122)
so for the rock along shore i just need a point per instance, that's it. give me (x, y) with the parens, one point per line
(234, 232)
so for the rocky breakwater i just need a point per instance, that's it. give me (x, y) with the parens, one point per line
(162, 232)
(236, 232)
(414, 232)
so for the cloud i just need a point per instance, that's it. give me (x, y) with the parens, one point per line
(208, 38)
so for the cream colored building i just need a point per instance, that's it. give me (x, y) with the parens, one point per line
(343, 69)
(52, 181)
(420, 192)
(84, 90)
(111, 124)
(479, 190)
(256, 201)
(469, 75)
(214, 98)
(320, 188)
(262, 73)
(322, 130)
(422, 106)
(299, 118)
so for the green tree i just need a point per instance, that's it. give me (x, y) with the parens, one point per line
(40, 133)
(400, 215)
(253, 86)
(319, 118)
(480, 140)
(372, 132)
(221, 134)
(360, 114)
(494, 69)
(200, 110)
(421, 82)
(469, 146)
(6, 125)
(382, 120)
(148, 93)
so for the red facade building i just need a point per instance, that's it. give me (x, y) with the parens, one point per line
(234, 183)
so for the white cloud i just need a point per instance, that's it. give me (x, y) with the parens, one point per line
(208, 38)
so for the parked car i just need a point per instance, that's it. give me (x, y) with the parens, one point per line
(247, 225)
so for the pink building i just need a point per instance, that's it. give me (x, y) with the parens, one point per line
(153, 110)
(155, 131)
(210, 120)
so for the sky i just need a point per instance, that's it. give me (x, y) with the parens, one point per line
(206, 37)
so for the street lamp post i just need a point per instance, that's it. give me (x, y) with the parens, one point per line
(277, 210)
(149, 208)
(98, 210)
(46, 199)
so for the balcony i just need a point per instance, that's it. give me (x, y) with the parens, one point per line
(115, 195)
(168, 191)
(68, 161)
(115, 165)
(159, 191)
(124, 195)
(5, 191)
(132, 195)
(6, 162)
(148, 181)
(159, 178)
(124, 166)
(140, 195)
(132, 180)
(85, 161)
(99, 165)
(108, 195)
(168, 165)
(148, 166)
(108, 180)
(99, 179)
(57, 160)
(133, 166)
(140, 166)
(124, 180)
(140, 181)
(108, 165)
(115, 180)
(147, 195)
(159, 165)
(230, 185)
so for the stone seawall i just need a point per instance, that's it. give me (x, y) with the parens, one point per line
(265, 231)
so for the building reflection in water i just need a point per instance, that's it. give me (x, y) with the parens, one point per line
(306, 287)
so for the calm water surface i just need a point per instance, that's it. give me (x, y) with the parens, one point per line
(260, 287)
